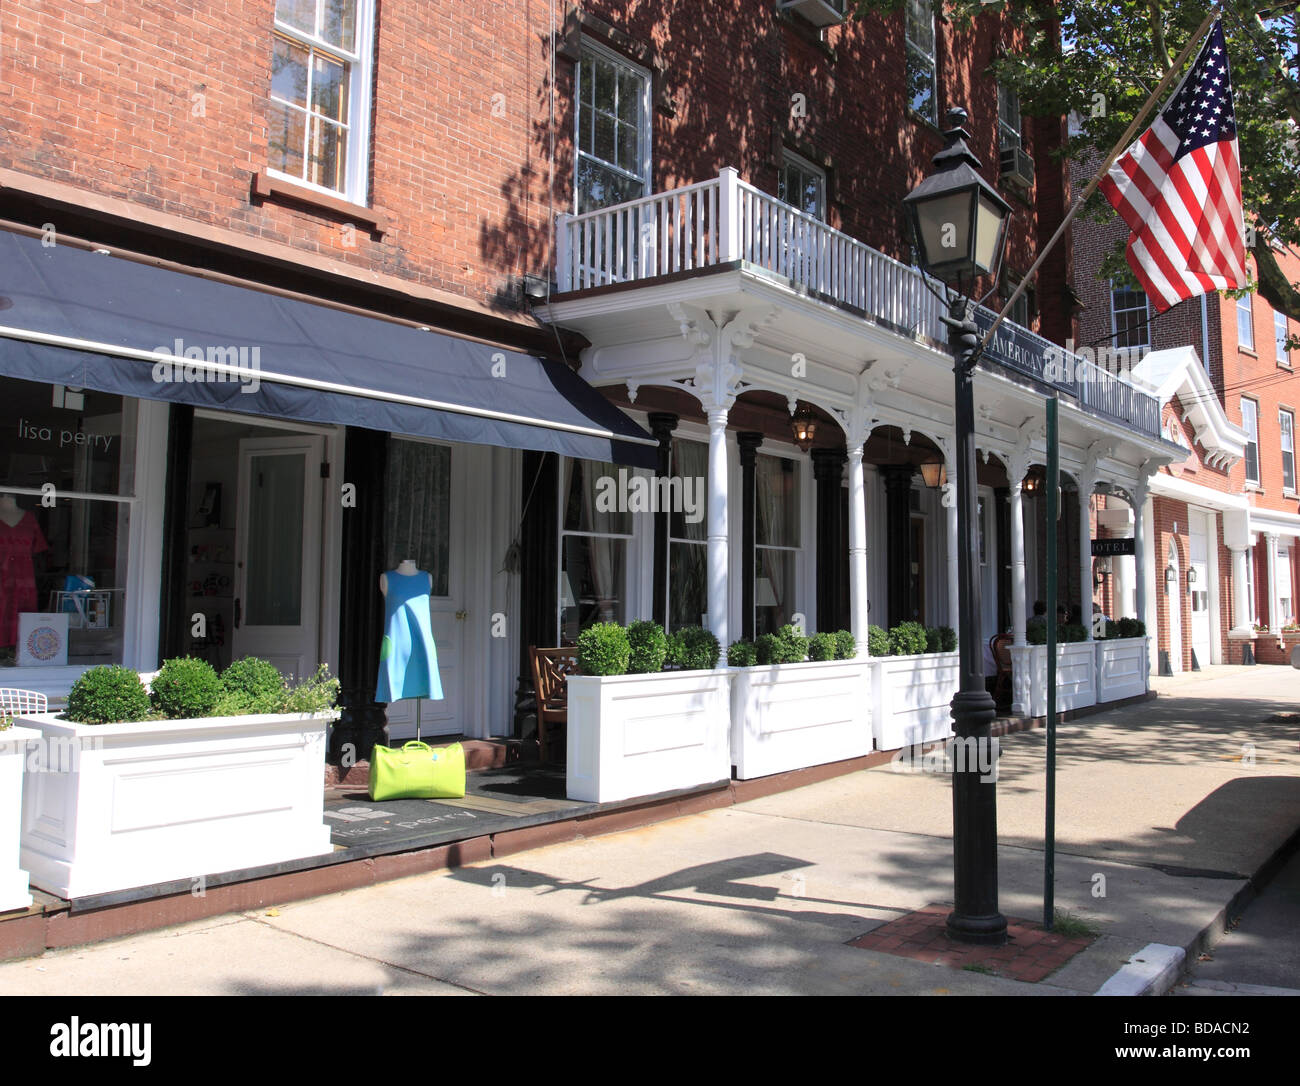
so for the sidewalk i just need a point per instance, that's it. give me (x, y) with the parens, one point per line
(1173, 803)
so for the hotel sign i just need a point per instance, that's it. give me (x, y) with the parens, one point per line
(1102, 548)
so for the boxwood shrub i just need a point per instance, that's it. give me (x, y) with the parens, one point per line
(603, 649)
(185, 688)
(907, 639)
(693, 648)
(877, 641)
(846, 647)
(109, 694)
(821, 646)
(1129, 627)
(251, 685)
(768, 649)
(795, 645)
(648, 646)
(742, 654)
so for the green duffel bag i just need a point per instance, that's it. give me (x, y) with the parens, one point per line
(417, 771)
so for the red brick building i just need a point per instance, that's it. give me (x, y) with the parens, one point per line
(406, 164)
(1227, 517)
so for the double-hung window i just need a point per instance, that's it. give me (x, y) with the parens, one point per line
(776, 541)
(1286, 423)
(1280, 338)
(319, 113)
(1250, 423)
(802, 185)
(1010, 130)
(1245, 323)
(688, 586)
(613, 130)
(1129, 318)
(596, 530)
(922, 69)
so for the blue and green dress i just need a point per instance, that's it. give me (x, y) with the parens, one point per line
(408, 660)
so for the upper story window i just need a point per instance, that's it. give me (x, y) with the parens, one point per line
(1130, 318)
(1286, 422)
(1280, 338)
(319, 115)
(613, 138)
(1245, 323)
(1250, 423)
(1010, 130)
(922, 69)
(802, 185)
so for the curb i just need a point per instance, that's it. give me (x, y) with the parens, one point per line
(1157, 967)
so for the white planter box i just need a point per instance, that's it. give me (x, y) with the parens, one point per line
(790, 716)
(114, 806)
(912, 698)
(13, 879)
(1076, 677)
(1122, 668)
(637, 735)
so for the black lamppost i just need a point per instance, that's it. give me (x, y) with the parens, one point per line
(959, 222)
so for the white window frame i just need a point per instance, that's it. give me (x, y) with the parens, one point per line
(632, 558)
(675, 540)
(1143, 330)
(1246, 331)
(789, 159)
(1280, 334)
(804, 602)
(930, 57)
(644, 120)
(1250, 423)
(1286, 428)
(356, 170)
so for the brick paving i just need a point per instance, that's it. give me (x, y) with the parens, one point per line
(1030, 953)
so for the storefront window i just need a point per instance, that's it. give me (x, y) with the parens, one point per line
(593, 554)
(66, 477)
(776, 541)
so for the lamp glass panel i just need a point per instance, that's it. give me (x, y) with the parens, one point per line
(944, 224)
(988, 233)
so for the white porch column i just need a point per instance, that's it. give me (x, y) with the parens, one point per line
(1085, 555)
(1018, 616)
(1240, 599)
(1274, 607)
(858, 618)
(716, 559)
(1139, 495)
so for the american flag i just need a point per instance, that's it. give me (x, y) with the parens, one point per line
(1179, 188)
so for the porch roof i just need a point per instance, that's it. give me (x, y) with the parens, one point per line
(93, 320)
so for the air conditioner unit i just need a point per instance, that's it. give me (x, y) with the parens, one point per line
(817, 12)
(1018, 166)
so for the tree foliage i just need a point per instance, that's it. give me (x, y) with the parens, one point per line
(1100, 59)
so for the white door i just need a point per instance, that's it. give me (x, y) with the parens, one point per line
(438, 474)
(1174, 592)
(1198, 585)
(277, 552)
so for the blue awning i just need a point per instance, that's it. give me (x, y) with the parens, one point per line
(92, 320)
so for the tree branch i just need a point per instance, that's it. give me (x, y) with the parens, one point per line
(1274, 286)
(1158, 35)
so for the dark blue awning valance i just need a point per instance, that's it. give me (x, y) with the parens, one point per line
(91, 320)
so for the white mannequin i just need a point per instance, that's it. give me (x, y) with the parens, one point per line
(9, 511)
(405, 567)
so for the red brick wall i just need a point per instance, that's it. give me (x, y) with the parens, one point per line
(102, 97)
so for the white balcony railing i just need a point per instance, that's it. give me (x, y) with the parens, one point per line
(725, 220)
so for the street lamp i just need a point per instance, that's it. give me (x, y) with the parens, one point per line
(959, 222)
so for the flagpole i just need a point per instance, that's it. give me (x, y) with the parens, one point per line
(1091, 187)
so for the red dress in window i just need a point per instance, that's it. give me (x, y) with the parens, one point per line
(18, 544)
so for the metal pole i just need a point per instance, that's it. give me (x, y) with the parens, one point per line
(975, 917)
(1053, 513)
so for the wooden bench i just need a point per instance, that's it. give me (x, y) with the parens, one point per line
(551, 671)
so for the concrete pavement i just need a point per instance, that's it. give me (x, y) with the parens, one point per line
(1165, 810)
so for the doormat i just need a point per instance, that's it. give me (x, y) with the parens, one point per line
(1030, 953)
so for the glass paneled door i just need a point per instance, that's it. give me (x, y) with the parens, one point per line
(277, 552)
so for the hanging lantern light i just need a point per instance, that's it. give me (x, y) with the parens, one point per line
(804, 425)
(935, 473)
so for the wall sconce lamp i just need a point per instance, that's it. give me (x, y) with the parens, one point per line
(1191, 579)
(1103, 571)
(1171, 576)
